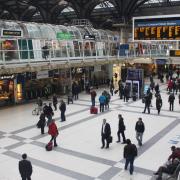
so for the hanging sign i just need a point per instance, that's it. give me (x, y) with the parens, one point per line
(11, 33)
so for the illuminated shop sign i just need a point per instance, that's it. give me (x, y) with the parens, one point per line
(7, 77)
(11, 33)
(64, 36)
(174, 53)
(89, 37)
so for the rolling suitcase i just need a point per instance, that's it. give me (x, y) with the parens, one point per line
(49, 146)
(93, 110)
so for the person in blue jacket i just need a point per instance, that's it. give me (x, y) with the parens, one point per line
(102, 101)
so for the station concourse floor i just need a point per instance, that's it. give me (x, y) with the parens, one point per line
(78, 155)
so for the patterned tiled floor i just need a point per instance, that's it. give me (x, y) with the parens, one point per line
(78, 155)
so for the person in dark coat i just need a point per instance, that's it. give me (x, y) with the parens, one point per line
(42, 122)
(93, 96)
(53, 131)
(171, 102)
(62, 108)
(147, 103)
(157, 88)
(121, 90)
(121, 129)
(55, 101)
(169, 169)
(50, 113)
(111, 89)
(158, 103)
(130, 152)
(126, 93)
(139, 128)
(105, 133)
(25, 168)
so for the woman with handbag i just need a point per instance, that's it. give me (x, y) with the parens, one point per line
(53, 131)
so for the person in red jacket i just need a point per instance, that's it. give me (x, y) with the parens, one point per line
(53, 131)
(175, 153)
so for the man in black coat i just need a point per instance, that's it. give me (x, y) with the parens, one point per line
(171, 102)
(139, 131)
(158, 103)
(130, 152)
(147, 103)
(55, 101)
(105, 134)
(25, 168)
(121, 129)
(62, 108)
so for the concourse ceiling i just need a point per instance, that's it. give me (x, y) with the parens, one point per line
(101, 13)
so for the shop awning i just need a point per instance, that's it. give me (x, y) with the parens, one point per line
(143, 61)
(175, 60)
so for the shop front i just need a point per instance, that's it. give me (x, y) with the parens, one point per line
(7, 95)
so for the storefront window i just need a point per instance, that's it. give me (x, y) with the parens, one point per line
(63, 48)
(6, 91)
(10, 50)
(87, 49)
(76, 48)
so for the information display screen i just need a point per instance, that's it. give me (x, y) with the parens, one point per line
(174, 53)
(164, 28)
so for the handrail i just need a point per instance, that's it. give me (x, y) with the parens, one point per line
(35, 55)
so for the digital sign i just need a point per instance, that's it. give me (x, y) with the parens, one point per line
(174, 53)
(156, 28)
(11, 33)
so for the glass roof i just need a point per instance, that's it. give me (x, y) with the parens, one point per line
(68, 9)
(104, 5)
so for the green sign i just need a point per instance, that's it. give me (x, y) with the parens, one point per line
(64, 36)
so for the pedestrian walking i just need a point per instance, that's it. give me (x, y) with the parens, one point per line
(171, 102)
(49, 113)
(62, 108)
(121, 129)
(40, 105)
(147, 102)
(158, 103)
(55, 101)
(111, 89)
(130, 152)
(25, 168)
(126, 93)
(140, 127)
(53, 131)
(105, 134)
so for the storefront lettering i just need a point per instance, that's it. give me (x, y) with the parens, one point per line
(7, 77)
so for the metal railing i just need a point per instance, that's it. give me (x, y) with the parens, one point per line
(32, 56)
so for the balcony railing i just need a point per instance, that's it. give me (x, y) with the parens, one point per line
(33, 56)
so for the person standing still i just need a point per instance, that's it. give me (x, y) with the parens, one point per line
(105, 134)
(102, 100)
(121, 129)
(55, 101)
(139, 131)
(171, 102)
(25, 168)
(130, 152)
(42, 122)
(62, 108)
(93, 96)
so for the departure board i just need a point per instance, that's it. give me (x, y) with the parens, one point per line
(156, 28)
